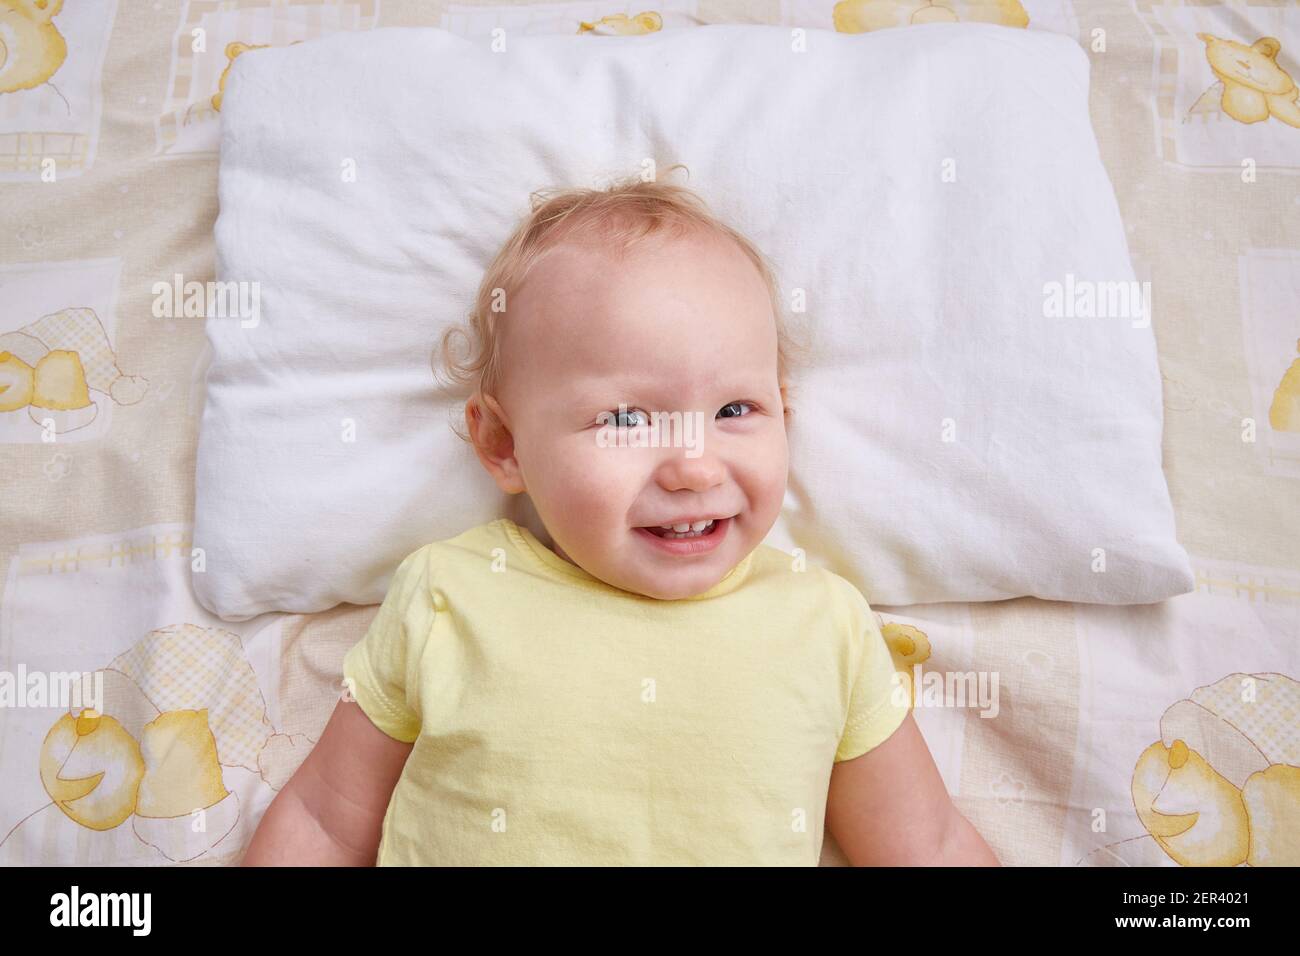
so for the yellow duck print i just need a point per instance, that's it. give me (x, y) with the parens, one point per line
(1284, 413)
(1196, 815)
(863, 16)
(177, 707)
(620, 24)
(31, 47)
(99, 776)
(1254, 86)
(52, 365)
(1222, 785)
(91, 768)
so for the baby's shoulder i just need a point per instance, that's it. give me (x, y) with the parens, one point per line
(436, 564)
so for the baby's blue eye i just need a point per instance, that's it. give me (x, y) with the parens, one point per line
(620, 419)
(724, 413)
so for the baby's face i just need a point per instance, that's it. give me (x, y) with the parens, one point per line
(682, 325)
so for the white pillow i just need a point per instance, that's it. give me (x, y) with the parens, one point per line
(925, 297)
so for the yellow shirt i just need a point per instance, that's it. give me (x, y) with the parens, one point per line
(558, 720)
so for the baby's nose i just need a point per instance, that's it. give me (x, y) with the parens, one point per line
(691, 470)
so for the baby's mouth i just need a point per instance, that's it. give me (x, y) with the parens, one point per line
(696, 529)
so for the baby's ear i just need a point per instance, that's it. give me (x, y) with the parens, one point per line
(493, 443)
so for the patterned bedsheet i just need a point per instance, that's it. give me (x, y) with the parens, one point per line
(1069, 734)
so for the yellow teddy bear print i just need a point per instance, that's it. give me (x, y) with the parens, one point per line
(233, 50)
(863, 16)
(1255, 87)
(31, 47)
(909, 647)
(1284, 413)
(620, 24)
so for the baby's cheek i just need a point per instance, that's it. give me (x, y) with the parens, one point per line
(768, 475)
(594, 478)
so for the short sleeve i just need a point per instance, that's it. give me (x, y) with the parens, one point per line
(381, 671)
(881, 695)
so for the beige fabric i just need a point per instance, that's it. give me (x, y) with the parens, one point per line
(1092, 703)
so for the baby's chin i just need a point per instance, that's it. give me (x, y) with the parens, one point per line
(671, 577)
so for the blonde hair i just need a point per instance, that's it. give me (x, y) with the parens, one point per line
(626, 212)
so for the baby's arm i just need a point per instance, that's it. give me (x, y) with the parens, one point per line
(331, 810)
(889, 807)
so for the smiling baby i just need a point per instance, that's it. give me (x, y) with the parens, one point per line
(652, 685)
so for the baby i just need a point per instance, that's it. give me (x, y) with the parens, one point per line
(654, 685)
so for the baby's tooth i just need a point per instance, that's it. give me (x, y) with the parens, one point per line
(679, 528)
(700, 525)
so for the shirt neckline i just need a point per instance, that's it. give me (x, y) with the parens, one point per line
(531, 547)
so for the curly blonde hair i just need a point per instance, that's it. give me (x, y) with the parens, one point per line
(624, 213)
